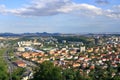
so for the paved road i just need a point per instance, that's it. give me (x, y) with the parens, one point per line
(29, 66)
(11, 66)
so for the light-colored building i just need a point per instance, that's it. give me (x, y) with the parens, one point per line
(82, 49)
(21, 49)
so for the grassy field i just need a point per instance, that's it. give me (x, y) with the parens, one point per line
(3, 66)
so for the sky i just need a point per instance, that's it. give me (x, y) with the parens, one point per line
(59, 16)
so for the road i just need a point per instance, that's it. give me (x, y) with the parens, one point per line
(29, 66)
(11, 66)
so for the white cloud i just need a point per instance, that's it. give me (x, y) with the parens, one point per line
(114, 12)
(41, 8)
(2, 9)
(54, 7)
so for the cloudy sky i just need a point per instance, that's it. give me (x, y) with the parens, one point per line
(64, 16)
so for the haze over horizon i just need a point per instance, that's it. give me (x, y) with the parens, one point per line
(63, 16)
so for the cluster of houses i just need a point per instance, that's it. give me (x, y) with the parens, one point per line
(28, 43)
(79, 58)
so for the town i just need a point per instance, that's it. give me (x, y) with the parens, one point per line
(95, 55)
(59, 40)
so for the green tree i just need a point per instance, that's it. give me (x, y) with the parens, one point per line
(17, 73)
(3, 73)
(68, 74)
(3, 66)
(117, 77)
(47, 71)
(71, 74)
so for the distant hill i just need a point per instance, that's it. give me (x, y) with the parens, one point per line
(28, 34)
(53, 34)
(9, 35)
